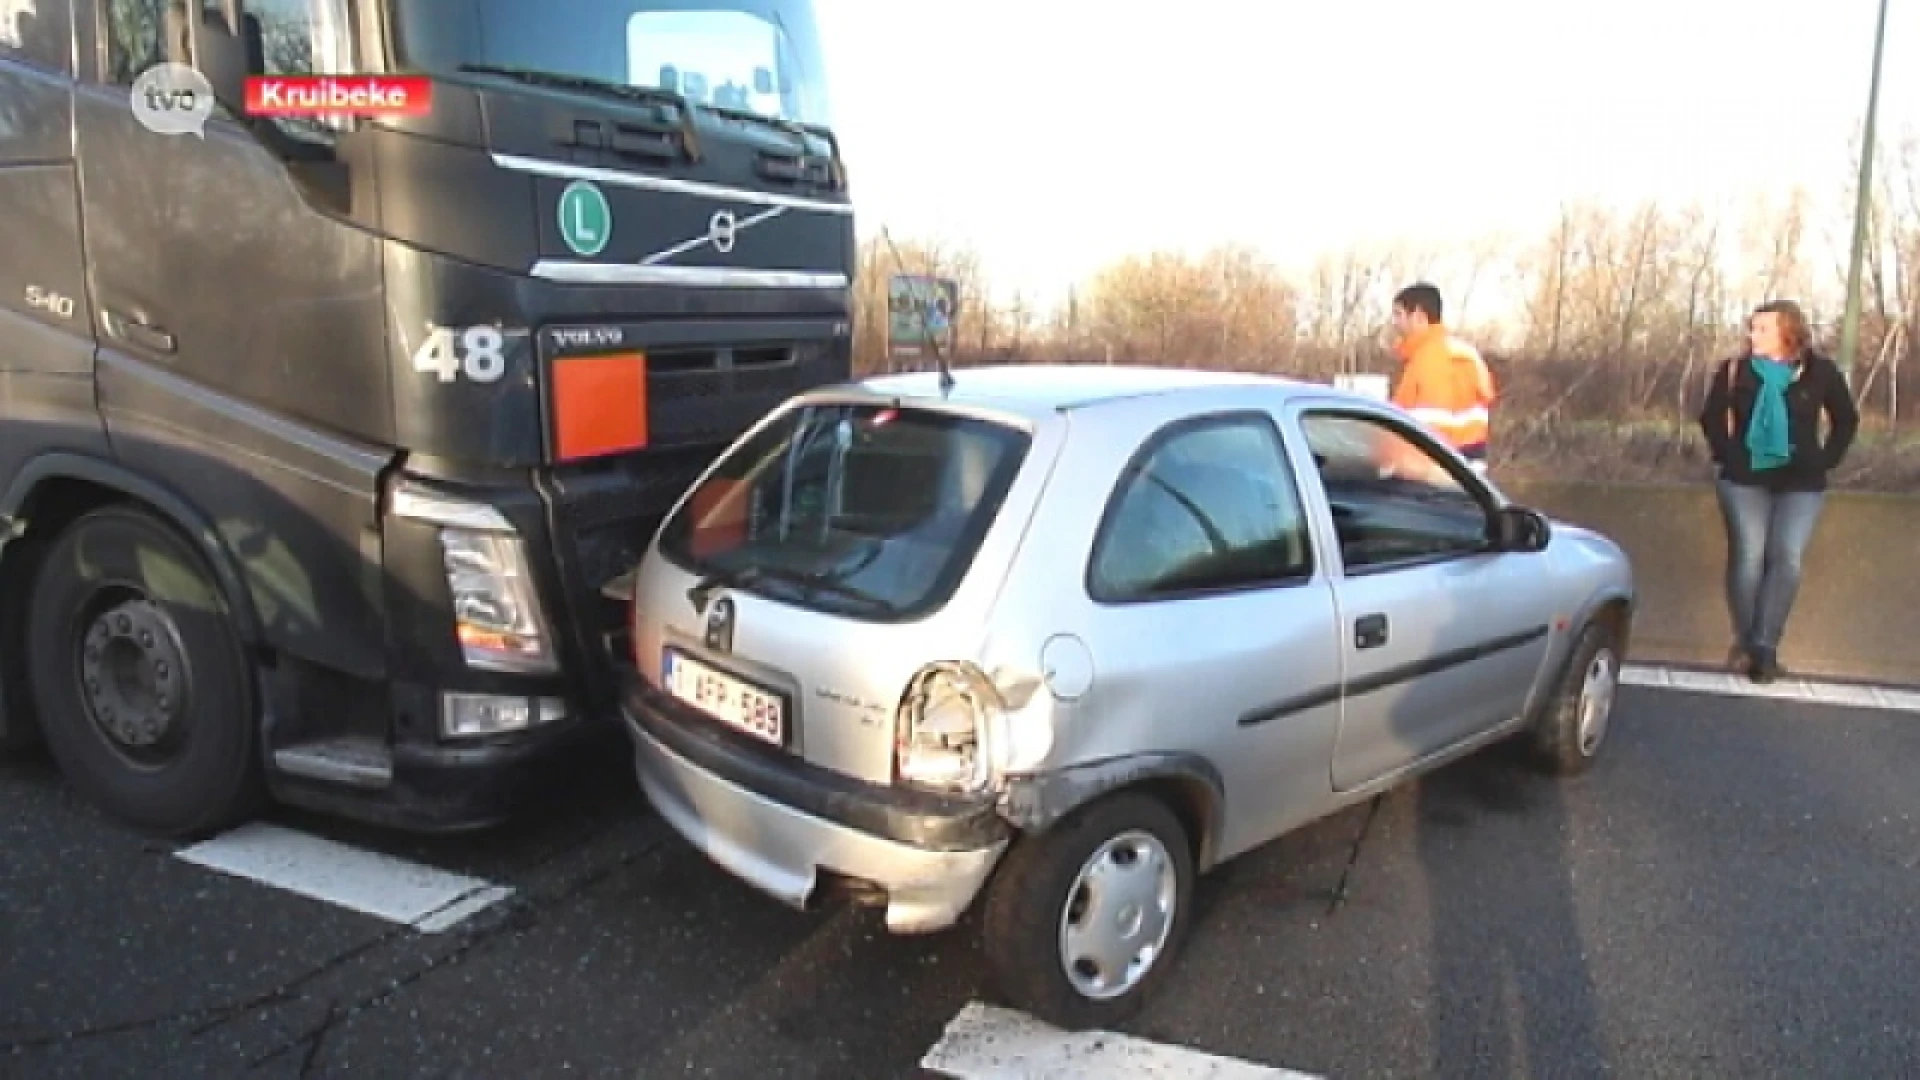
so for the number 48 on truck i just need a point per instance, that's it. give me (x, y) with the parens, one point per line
(322, 433)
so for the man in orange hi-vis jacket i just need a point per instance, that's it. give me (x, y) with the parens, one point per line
(1444, 382)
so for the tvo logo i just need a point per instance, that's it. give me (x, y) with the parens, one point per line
(172, 99)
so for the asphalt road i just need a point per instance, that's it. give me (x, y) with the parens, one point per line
(1732, 893)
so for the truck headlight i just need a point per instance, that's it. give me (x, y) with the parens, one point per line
(948, 730)
(496, 609)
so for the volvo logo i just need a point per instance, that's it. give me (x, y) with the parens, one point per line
(722, 234)
(719, 635)
(722, 230)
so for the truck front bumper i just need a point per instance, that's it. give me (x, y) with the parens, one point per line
(445, 789)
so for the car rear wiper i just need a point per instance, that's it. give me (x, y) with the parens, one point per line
(809, 584)
(826, 584)
(560, 80)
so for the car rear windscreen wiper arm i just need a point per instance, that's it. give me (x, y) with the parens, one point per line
(702, 590)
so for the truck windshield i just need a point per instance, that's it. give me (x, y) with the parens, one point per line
(864, 510)
(756, 56)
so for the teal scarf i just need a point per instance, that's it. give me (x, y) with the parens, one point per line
(1767, 439)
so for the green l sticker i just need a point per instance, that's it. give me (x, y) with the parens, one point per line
(586, 221)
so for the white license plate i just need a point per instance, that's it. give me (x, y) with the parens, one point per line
(724, 697)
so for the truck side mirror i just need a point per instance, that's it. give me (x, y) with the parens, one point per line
(220, 53)
(762, 81)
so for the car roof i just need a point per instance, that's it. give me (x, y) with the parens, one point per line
(1033, 391)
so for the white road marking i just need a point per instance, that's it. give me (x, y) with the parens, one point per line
(399, 891)
(1812, 691)
(984, 1042)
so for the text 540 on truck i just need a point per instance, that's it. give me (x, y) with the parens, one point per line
(320, 436)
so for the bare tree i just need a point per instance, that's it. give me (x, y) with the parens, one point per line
(1622, 310)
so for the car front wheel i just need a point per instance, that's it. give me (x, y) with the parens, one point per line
(1083, 921)
(1573, 724)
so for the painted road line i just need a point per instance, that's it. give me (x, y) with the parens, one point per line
(399, 891)
(1810, 691)
(984, 1042)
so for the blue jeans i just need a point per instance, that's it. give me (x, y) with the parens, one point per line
(1767, 533)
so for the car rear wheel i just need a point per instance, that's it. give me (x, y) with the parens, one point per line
(1573, 724)
(140, 683)
(1083, 921)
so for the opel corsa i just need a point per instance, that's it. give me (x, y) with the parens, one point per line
(1060, 639)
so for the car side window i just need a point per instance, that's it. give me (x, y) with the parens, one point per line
(1204, 505)
(37, 31)
(1394, 501)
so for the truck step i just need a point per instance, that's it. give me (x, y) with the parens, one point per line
(357, 760)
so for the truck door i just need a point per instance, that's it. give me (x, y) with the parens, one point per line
(46, 338)
(242, 330)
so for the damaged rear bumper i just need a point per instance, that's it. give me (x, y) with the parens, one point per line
(782, 824)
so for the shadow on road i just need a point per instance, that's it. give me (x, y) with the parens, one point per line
(1509, 989)
(1511, 993)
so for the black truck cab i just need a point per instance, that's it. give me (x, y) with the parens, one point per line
(321, 436)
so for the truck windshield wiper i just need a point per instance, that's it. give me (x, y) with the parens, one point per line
(778, 123)
(791, 127)
(560, 80)
(809, 584)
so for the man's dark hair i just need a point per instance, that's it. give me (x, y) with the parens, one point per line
(1420, 297)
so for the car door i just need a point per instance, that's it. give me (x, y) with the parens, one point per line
(1442, 636)
(1215, 624)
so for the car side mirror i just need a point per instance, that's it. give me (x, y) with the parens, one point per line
(1516, 528)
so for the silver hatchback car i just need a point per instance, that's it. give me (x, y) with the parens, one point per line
(1062, 638)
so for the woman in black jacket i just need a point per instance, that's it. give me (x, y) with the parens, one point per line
(1762, 423)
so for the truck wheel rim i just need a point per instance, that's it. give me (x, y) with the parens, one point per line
(1118, 914)
(133, 680)
(1596, 700)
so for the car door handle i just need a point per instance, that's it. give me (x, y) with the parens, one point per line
(1370, 631)
(135, 332)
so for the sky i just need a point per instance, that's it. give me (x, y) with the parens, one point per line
(1054, 136)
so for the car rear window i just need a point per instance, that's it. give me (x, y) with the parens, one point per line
(866, 510)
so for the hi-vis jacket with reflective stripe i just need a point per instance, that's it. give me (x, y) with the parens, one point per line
(1446, 385)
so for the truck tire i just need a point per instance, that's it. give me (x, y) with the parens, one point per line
(144, 693)
(1048, 896)
(1572, 724)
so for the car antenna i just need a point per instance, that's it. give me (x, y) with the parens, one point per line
(939, 356)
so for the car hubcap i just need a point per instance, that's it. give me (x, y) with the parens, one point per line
(1596, 700)
(133, 680)
(1118, 914)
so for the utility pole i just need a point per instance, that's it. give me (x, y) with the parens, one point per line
(1863, 206)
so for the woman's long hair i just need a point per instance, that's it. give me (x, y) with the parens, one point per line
(1795, 334)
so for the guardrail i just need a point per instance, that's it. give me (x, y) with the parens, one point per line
(1858, 614)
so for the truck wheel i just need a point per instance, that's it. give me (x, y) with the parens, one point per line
(141, 685)
(1572, 724)
(1083, 921)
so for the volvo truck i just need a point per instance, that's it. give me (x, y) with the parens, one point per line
(323, 433)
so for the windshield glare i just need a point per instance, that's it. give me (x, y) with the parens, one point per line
(758, 56)
(863, 510)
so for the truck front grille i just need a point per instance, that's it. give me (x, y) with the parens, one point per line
(701, 395)
(603, 518)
